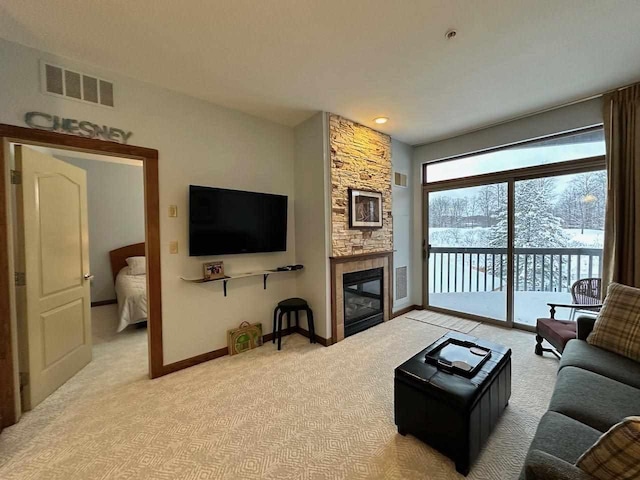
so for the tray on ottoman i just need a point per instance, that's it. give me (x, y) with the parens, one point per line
(453, 413)
(458, 356)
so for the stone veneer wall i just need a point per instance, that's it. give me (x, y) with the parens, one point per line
(360, 159)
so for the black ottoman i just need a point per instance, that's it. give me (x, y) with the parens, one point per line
(450, 412)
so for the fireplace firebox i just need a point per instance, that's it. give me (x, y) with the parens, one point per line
(363, 300)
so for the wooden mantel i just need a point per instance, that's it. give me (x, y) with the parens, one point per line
(360, 256)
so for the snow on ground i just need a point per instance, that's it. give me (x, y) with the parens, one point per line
(529, 306)
(479, 237)
(588, 238)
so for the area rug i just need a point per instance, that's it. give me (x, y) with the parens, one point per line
(306, 412)
(444, 321)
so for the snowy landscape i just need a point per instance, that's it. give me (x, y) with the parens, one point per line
(558, 239)
(480, 237)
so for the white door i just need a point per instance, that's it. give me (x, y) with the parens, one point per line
(54, 304)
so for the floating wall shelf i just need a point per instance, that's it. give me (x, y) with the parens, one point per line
(264, 273)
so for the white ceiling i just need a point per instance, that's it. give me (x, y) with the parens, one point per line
(285, 59)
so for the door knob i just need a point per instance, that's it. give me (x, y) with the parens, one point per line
(88, 276)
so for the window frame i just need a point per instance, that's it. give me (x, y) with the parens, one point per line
(510, 172)
(510, 177)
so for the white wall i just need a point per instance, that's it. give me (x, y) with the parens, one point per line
(402, 210)
(578, 115)
(312, 230)
(198, 143)
(115, 197)
(564, 119)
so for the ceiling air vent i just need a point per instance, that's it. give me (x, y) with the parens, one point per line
(67, 83)
(400, 179)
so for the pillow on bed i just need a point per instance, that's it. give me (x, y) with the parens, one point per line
(137, 265)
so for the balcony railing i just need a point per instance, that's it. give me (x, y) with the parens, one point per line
(470, 269)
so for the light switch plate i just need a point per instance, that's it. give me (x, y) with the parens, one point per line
(173, 247)
(173, 210)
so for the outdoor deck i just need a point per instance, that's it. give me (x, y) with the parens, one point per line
(473, 280)
(528, 305)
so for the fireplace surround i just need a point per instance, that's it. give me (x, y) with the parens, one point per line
(372, 272)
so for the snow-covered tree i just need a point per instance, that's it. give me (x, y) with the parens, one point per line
(536, 226)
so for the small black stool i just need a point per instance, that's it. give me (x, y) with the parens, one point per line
(287, 306)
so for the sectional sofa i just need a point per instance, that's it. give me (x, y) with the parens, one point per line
(595, 389)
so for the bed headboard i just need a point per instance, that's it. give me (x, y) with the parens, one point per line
(119, 256)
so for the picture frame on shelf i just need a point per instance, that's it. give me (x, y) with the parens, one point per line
(365, 209)
(213, 270)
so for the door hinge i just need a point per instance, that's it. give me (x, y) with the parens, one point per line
(24, 379)
(20, 279)
(16, 177)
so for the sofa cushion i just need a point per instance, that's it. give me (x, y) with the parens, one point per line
(616, 455)
(563, 437)
(617, 327)
(543, 466)
(580, 354)
(593, 399)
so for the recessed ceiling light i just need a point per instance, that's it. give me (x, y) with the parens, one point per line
(381, 120)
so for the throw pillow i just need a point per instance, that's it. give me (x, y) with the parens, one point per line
(616, 454)
(617, 327)
(137, 265)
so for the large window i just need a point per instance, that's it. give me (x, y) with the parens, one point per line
(501, 245)
(583, 144)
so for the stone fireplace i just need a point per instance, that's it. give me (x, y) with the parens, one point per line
(362, 261)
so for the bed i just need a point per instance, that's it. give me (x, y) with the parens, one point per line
(131, 290)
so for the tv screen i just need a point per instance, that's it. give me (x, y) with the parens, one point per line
(231, 221)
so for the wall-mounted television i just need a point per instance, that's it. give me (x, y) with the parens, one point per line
(223, 222)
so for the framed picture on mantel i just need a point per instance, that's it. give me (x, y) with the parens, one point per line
(365, 209)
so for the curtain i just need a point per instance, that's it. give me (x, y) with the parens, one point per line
(622, 223)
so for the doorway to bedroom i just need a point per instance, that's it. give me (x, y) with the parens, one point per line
(63, 291)
(115, 211)
(80, 238)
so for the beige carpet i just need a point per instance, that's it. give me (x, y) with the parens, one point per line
(307, 412)
(444, 321)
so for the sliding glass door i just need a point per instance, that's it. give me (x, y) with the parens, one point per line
(508, 231)
(467, 250)
(558, 239)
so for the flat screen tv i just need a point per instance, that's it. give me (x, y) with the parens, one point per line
(223, 222)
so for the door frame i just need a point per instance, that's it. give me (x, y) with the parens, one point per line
(476, 182)
(510, 177)
(9, 411)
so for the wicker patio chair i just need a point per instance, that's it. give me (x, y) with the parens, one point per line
(586, 295)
